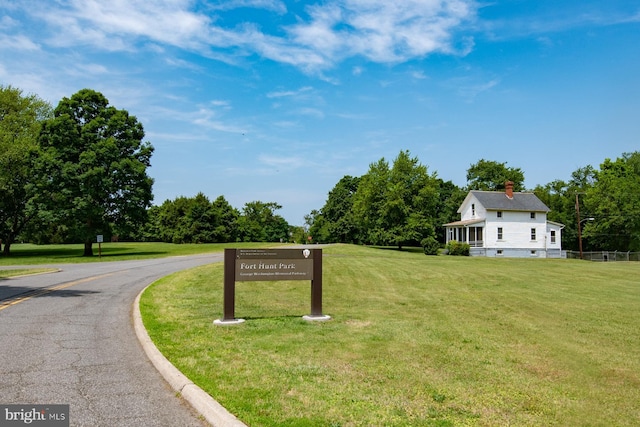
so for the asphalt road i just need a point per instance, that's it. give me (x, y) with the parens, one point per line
(67, 338)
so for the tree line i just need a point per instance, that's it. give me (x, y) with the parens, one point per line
(79, 170)
(402, 204)
(70, 173)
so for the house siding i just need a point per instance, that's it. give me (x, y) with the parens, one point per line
(516, 223)
(516, 230)
(467, 209)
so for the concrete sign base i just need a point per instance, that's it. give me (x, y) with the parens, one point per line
(228, 322)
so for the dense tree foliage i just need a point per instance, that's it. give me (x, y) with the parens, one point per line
(260, 223)
(192, 220)
(450, 198)
(387, 194)
(565, 199)
(614, 203)
(93, 166)
(336, 223)
(20, 120)
(398, 205)
(489, 175)
(198, 220)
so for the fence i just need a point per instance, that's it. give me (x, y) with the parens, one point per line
(605, 256)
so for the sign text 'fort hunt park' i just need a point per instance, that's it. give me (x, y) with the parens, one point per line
(243, 265)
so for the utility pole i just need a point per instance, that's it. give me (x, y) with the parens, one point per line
(580, 223)
(579, 232)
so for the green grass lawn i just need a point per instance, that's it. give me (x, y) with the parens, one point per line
(5, 274)
(413, 341)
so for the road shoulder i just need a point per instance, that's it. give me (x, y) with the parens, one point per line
(202, 402)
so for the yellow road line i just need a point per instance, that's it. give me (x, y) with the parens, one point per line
(37, 292)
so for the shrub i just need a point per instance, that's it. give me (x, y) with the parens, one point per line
(458, 248)
(430, 245)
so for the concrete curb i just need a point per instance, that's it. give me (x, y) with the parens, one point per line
(204, 404)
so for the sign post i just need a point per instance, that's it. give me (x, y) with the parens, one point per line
(100, 238)
(271, 265)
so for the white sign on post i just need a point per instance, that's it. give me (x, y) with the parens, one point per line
(100, 238)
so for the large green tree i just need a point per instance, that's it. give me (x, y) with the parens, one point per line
(225, 221)
(94, 163)
(614, 203)
(397, 205)
(450, 198)
(201, 219)
(335, 222)
(565, 199)
(20, 120)
(172, 220)
(489, 175)
(260, 223)
(368, 203)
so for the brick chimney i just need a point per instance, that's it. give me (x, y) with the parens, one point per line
(508, 188)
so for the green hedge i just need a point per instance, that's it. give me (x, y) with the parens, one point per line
(458, 248)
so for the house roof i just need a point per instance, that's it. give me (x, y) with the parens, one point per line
(557, 224)
(498, 200)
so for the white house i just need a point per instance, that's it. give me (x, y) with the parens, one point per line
(507, 224)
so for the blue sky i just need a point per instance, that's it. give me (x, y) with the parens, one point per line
(277, 100)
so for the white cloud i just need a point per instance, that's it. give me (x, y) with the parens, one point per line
(275, 5)
(380, 30)
(286, 124)
(289, 93)
(355, 116)
(555, 19)
(209, 119)
(93, 69)
(8, 22)
(226, 105)
(307, 111)
(418, 75)
(470, 92)
(281, 161)
(117, 24)
(18, 42)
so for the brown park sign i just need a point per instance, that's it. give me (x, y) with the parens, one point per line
(271, 265)
(274, 264)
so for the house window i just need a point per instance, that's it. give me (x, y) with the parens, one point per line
(499, 251)
(533, 253)
(499, 233)
(499, 213)
(553, 236)
(533, 234)
(473, 209)
(475, 237)
(533, 215)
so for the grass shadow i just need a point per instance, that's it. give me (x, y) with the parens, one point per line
(412, 249)
(74, 253)
(44, 252)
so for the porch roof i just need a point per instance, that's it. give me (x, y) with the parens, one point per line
(465, 222)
